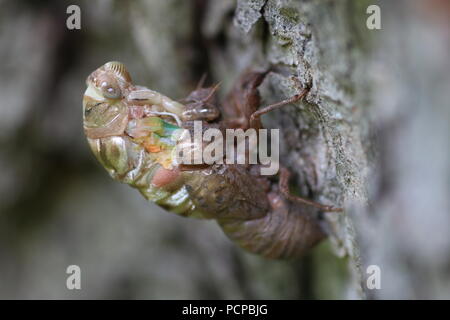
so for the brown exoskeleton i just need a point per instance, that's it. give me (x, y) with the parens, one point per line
(130, 130)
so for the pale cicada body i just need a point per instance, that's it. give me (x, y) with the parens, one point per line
(130, 129)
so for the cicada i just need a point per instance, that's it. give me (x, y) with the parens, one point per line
(130, 130)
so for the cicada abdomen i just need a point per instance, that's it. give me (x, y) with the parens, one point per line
(131, 131)
(256, 218)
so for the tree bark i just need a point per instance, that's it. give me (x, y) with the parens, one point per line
(371, 136)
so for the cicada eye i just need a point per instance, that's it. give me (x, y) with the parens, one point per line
(110, 90)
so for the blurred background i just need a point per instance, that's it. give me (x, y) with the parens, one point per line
(384, 94)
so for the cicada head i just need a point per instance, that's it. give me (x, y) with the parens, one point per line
(104, 111)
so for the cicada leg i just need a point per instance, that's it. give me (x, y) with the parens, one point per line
(284, 189)
(255, 116)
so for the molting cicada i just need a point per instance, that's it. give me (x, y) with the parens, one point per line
(130, 129)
